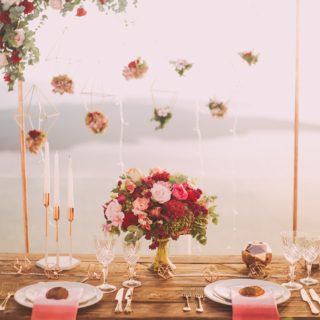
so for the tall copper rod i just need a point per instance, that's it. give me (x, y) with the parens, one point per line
(23, 167)
(296, 120)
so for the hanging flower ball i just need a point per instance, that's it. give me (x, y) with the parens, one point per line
(96, 121)
(218, 109)
(35, 139)
(136, 69)
(162, 116)
(62, 84)
(181, 66)
(249, 57)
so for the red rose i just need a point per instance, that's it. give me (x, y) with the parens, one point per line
(4, 17)
(174, 209)
(15, 58)
(28, 6)
(121, 198)
(7, 77)
(161, 176)
(193, 194)
(34, 133)
(81, 12)
(130, 219)
(132, 65)
(102, 1)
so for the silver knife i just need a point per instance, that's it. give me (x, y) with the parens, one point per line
(119, 298)
(305, 297)
(314, 295)
(128, 297)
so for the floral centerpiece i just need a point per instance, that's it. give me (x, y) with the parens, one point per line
(162, 116)
(158, 207)
(218, 109)
(96, 121)
(35, 139)
(136, 69)
(181, 66)
(62, 84)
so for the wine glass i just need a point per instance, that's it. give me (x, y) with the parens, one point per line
(131, 255)
(310, 252)
(105, 252)
(292, 251)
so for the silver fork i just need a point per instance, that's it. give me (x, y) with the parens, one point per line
(199, 296)
(10, 288)
(186, 294)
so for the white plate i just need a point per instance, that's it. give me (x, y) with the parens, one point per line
(222, 288)
(211, 295)
(21, 298)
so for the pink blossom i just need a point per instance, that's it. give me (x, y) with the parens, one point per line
(130, 186)
(141, 204)
(19, 38)
(161, 192)
(106, 227)
(113, 208)
(117, 219)
(179, 192)
(56, 4)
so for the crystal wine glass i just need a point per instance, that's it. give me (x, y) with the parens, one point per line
(131, 255)
(310, 252)
(105, 252)
(292, 251)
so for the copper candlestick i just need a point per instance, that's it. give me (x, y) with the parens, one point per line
(56, 217)
(46, 203)
(70, 219)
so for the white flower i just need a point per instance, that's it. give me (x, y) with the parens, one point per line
(163, 112)
(19, 38)
(56, 4)
(161, 192)
(3, 60)
(181, 64)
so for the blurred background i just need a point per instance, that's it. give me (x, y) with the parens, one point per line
(245, 158)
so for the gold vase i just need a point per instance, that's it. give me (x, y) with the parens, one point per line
(161, 258)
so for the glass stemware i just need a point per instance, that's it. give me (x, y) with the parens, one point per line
(292, 251)
(131, 255)
(310, 252)
(105, 252)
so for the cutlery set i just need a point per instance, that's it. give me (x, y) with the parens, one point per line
(315, 297)
(119, 298)
(198, 294)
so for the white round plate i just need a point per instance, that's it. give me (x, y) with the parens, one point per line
(222, 288)
(21, 295)
(211, 295)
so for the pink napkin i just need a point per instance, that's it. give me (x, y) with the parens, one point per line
(253, 308)
(49, 309)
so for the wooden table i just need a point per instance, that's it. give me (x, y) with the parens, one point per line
(157, 298)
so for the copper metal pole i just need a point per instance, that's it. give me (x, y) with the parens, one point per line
(23, 167)
(296, 120)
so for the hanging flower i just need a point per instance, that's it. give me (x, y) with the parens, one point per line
(35, 139)
(162, 116)
(135, 70)
(181, 66)
(18, 38)
(81, 12)
(249, 57)
(3, 60)
(62, 84)
(56, 4)
(96, 121)
(28, 6)
(218, 109)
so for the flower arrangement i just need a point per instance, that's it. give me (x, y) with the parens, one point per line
(17, 39)
(62, 84)
(136, 69)
(249, 57)
(96, 121)
(181, 66)
(159, 207)
(162, 116)
(218, 109)
(35, 139)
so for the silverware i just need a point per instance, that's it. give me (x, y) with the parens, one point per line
(305, 297)
(186, 294)
(84, 279)
(314, 295)
(11, 288)
(119, 298)
(199, 296)
(128, 297)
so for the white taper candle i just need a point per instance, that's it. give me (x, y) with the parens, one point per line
(56, 187)
(70, 185)
(46, 168)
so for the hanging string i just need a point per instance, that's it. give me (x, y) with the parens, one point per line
(123, 123)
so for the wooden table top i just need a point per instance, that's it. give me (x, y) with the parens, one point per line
(156, 298)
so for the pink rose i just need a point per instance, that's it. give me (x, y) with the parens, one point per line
(161, 192)
(113, 208)
(179, 192)
(141, 204)
(19, 38)
(117, 219)
(155, 212)
(106, 227)
(130, 186)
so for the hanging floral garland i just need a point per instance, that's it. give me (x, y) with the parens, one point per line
(17, 40)
(136, 69)
(35, 140)
(218, 109)
(96, 121)
(62, 84)
(162, 116)
(249, 57)
(181, 66)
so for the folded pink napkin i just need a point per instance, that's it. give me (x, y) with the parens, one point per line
(49, 309)
(253, 308)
